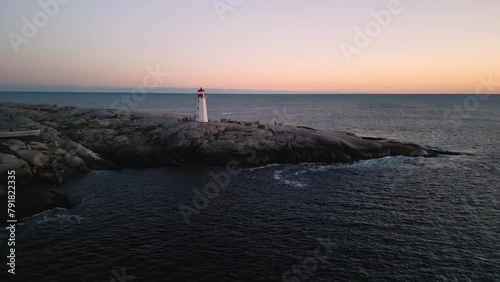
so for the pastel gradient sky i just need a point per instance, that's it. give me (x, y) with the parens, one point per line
(432, 46)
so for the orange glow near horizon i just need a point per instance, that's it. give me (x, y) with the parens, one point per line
(290, 46)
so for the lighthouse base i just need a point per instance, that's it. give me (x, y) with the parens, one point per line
(201, 110)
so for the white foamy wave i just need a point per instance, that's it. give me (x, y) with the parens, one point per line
(263, 167)
(61, 218)
(300, 172)
(321, 168)
(279, 177)
(373, 163)
(57, 215)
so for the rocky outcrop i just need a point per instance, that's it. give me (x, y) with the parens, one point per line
(34, 158)
(75, 140)
(140, 139)
(22, 169)
(46, 161)
(32, 201)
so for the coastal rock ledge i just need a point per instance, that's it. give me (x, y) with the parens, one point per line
(51, 144)
(78, 139)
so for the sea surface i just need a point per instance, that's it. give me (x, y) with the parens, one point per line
(390, 219)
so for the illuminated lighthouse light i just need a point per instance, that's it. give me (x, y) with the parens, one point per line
(201, 109)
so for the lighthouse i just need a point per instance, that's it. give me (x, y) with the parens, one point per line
(201, 108)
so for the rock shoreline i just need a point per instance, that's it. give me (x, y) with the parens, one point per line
(75, 140)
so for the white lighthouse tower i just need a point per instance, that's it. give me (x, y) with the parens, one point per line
(201, 109)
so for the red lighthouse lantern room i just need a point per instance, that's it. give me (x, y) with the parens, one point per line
(201, 93)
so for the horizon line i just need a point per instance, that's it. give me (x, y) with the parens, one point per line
(260, 92)
(61, 88)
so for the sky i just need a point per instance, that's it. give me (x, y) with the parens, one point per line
(317, 46)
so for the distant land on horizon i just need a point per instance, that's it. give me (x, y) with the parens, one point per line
(175, 90)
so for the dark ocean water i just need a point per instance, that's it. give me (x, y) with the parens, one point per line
(391, 219)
